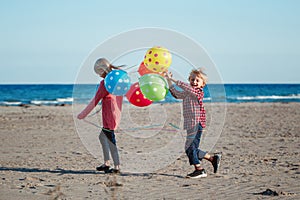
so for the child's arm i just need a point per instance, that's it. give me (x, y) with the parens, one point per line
(175, 93)
(101, 92)
(186, 87)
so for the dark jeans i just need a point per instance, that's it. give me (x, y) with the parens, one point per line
(192, 143)
(109, 144)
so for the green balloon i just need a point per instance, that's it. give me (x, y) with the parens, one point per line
(153, 86)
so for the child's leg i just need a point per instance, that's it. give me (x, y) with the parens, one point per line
(215, 160)
(113, 147)
(192, 150)
(208, 157)
(195, 154)
(105, 147)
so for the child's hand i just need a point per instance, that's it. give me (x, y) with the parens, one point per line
(80, 116)
(168, 75)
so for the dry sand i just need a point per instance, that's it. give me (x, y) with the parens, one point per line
(42, 157)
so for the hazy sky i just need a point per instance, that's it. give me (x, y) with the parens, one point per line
(250, 41)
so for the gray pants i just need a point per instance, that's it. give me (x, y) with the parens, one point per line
(109, 144)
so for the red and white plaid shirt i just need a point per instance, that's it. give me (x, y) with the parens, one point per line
(193, 108)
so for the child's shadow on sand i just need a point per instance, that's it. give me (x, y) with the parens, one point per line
(150, 175)
(61, 171)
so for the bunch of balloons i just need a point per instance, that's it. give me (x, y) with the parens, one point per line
(152, 86)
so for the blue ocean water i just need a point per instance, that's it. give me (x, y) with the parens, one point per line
(51, 94)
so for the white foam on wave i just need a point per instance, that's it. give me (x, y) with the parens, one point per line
(274, 97)
(68, 99)
(11, 103)
(43, 102)
(52, 102)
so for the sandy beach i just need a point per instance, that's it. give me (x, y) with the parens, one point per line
(43, 157)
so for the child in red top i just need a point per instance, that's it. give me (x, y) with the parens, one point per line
(194, 119)
(111, 114)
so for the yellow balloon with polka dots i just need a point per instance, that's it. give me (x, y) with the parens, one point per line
(158, 59)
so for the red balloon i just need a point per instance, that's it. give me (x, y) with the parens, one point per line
(136, 97)
(144, 70)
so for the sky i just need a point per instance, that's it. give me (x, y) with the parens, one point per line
(250, 41)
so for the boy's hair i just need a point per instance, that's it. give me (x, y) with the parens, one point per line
(199, 72)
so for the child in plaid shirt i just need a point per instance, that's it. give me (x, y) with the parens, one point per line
(194, 119)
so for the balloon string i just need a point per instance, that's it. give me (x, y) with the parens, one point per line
(130, 67)
(139, 128)
(133, 72)
(89, 122)
(92, 123)
(150, 126)
(158, 129)
(96, 112)
(174, 126)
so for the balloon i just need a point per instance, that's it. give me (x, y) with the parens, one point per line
(144, 70)
(117, 82)
(158, 59)
(153, 86)
(136, 97)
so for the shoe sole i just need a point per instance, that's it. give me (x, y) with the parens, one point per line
(200, 176)
(102, 170)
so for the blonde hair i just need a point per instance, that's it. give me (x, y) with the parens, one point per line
(199, 73)
(105, 65)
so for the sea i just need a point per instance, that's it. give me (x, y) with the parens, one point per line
(68, 94)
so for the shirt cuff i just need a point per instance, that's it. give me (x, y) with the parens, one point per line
(172, 86)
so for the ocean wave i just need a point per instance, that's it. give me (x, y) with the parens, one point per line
(37, 102)
(58, 101)
(271, 97)
(43, 102)
(64, 100)
(207, 99)
(10, 103)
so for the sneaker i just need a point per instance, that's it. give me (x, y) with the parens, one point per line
(103, 168)
(216, 162)
(197, 174)
(113, 171)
